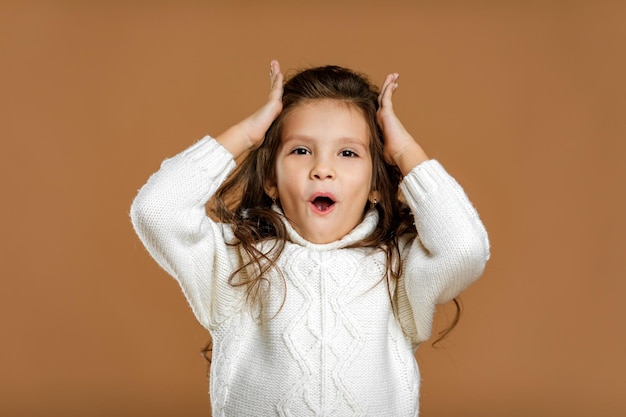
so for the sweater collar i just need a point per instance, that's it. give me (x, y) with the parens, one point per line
(361, 231)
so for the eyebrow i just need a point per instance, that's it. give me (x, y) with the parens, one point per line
(344, 140)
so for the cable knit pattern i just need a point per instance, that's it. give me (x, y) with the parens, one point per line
(326, 341)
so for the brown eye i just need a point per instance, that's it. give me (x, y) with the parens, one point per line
(348, 154)
(300, 151)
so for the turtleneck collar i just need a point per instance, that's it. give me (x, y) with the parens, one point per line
(362, 230)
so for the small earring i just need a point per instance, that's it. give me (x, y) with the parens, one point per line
(373, 198)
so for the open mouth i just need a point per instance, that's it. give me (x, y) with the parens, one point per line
(323, 203)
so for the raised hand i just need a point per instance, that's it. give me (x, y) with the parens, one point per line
(250, 132)
(400, 147)
(257, 124)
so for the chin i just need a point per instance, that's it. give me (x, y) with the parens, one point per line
(326, 238)
(319, 240)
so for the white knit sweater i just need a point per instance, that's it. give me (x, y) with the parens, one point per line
(326, 342)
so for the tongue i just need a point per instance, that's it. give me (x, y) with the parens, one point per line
(323, 203)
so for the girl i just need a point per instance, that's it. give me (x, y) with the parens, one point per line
(316, 282)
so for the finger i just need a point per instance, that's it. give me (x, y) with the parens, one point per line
(274, 72)
(273, 65)
(389, 86)
(276, 80)
(383, 89)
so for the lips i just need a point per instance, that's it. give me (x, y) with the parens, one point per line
(322, 203)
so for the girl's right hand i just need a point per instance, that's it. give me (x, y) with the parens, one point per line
(250, 132)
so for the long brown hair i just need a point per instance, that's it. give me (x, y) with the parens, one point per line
(243, 203)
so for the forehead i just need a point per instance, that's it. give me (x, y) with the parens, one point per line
(326, 119)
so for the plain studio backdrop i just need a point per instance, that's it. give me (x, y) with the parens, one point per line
(522, 101)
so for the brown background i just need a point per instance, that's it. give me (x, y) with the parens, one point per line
(523, 101)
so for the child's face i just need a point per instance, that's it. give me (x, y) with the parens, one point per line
(323, 169)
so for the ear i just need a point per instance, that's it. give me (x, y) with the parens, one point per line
(271, 189)
(374, 197)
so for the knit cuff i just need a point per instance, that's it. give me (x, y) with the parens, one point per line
(206, 148)
(423, 180)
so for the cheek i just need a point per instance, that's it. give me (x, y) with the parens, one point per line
(366, 174)
(286, 182)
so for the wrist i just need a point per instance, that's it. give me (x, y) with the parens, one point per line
(409, 157)
(235, 140)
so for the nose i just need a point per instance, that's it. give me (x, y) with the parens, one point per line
(322, 170)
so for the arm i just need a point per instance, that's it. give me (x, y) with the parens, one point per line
(449, 252)
(169, 217)
(169, 214)
(451, 248)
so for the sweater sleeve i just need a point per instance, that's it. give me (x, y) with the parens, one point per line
(449, 252)
(169, 216)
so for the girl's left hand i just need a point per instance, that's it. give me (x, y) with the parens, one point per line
(400, 147)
